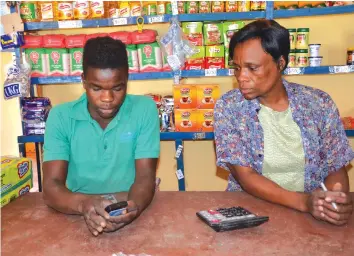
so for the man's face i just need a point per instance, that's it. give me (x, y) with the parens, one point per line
(255, 70)
(106, 90)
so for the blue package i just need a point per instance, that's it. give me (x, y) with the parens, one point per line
(14, 40)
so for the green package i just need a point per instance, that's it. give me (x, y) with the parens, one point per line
(58, 62)
(76, 61)
(28, 11)
(229, 28)
(150, 57)
(229, 63)
(133, 62)
(215, 51)
(199, 52)
(213, 33)
(37, 60)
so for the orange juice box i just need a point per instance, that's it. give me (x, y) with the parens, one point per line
(185, 96)
(205, 120)
(207, 95)
(186, 120)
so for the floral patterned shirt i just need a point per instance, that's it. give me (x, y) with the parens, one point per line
(239, 135)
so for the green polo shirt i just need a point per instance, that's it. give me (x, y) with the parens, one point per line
(102, 161)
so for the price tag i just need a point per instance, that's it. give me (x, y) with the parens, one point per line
(210, 72)
(293, 71)
(199, 136)
(179, 174)
(120, 21)
(156, 19)
(343, 69)
(178, 151)
(231, 72)
(70, 24)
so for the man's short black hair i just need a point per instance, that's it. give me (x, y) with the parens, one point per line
(274, 38)
(105, 52)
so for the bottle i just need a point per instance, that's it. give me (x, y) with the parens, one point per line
(81, 10)
(161, 7)
(97, 9)
(111, 9)
(65, 10)
(150, 8)
(29, 11)
(47, 9)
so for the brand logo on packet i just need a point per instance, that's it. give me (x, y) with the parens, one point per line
(55, 57)
(64, 6)
(208, 91)
(6, 161)
(186, 114)
(78, 57)
(147, 51)
(24, 190)
(214, 49)
(12, 90)
(185, 90)
(208, 114)
(34, 56)
(81, 5)
(22, 169)
(46, 7)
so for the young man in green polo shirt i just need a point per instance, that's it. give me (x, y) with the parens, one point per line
(105, 145)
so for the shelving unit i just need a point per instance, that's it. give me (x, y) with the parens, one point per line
(178, 137)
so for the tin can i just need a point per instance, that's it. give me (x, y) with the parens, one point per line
(292, 38)
(301, 58)
(302, 38)
(292, 59)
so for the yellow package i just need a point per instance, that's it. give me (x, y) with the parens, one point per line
(16, 177)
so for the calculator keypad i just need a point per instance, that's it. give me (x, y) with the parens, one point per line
(226, 215)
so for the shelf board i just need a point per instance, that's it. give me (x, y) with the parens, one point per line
(164, 136)
(303, 12)
(199, 73)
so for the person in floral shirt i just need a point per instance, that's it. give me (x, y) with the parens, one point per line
(280, 140)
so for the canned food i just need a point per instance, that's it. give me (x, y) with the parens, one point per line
(292, 59)
(301, 58)
(314, 50)
(315, 61)
(302, 38)
(292, 38)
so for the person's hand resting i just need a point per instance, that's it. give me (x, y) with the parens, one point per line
(320, 205)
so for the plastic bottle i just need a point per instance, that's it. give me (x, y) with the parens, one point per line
(81, 10)
(29, 11)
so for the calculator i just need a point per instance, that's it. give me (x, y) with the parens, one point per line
(225, 219)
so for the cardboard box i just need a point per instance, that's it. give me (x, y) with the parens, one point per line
(16, 178)
(186, 120)
(197, 60)
(215, 57)
(213, 34)
(185, 96)
(207, 95)
(194, 32)
(205, 122)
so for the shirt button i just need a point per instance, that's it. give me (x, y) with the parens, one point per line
(259, 155)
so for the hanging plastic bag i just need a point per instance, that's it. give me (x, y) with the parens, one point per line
(17, 83)
(176, 47)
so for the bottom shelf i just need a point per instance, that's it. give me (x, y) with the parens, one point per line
(164, 136)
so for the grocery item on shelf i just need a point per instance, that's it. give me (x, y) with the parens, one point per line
(54, 41)
(315, 61)
(150, 58)
(37, 58)
(350, 56)
(192, 7)
(47, 10)
(149, 8)
(231, 6)
(290, 5)
(193, 32)
(204, 7)
(75, 41)
(207, 95)
(229, 28)
(165, 65)
(197, 60)
(217, 6)
(133, 60)
(301, 57)
(229, 63)
(33, 41)
(186, 120)
(258, 5)
(215, 57)
(144, 37)
(213, 33)
(124, 9)
(167, 114)
(244, 6)
(314, 50)
(292, 59)
(181, 6)
(82, 10)
(205, 120)
(76, 55)
(58, 62)
(16, 178)
(65, 10)
(302, 38)
(29, 11)
(348, 122)
(123, 36)
(34, 113)
(136, 9)
(97, 10)
(292, 32)
(161, 7)
(185, 96)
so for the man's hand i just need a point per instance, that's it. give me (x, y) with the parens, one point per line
(93, 210)
(320, 205)
(115, 223)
